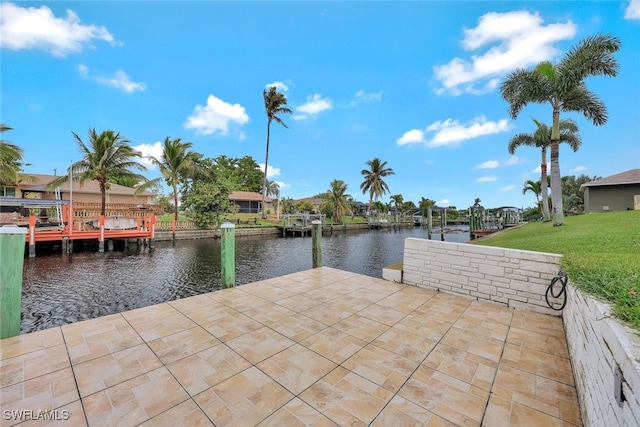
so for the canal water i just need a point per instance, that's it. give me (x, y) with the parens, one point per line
(60, 289)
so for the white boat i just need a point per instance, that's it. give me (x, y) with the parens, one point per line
(116, 223)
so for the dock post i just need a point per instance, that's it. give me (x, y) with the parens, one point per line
(429, 222)
(101, 238)
(152, 240)
(443, 221)
(228, 255)
(12, 240)
(32, 236)
(316, 242)
(65, 243)
(110, 245)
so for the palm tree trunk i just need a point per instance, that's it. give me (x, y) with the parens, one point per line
(103, 198)
(175, 209)
(544, 190)
(556, 183)
(264, 181)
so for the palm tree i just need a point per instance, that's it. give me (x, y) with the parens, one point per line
(176, 164)
(534, 187)
(107, 157)
(541, 138)
(397, 200)
(336, 196)
(373, 179)
(10, 159)
(274, 104)
(273, 189)
(563, 87)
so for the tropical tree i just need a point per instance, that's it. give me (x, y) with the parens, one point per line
(397, 200)
(10, 159)
(288, 205)
(541, 138)
(273, 189)
(274, 104)
(176, 164)
(337, 198)
(562, 86)
(533, 187)
(106, 157)
(373, 179)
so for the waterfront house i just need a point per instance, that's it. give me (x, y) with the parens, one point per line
(249, 202)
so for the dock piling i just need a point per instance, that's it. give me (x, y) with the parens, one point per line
(228, 255)
(12, 259)
(316, 242)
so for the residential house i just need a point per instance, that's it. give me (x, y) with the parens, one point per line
(613, 193)
(249, 202)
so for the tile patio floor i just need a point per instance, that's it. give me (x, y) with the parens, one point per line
(319, 347)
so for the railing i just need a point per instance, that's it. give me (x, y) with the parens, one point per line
(85, 209)
(180, 225)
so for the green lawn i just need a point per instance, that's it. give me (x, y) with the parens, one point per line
(601, 255)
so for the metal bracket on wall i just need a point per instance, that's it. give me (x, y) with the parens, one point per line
(618, 379)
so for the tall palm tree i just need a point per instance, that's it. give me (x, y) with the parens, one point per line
(337, 198)
(108, 156)
(397, 200)
(535, 188)
(373, 179)
(562, 86)
(541, 138)
(176, 164)
(10, 159)
(274, 104)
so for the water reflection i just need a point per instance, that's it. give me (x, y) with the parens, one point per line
(61, 289)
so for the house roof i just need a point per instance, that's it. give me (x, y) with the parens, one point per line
(246, 196)
(39, 182)
(629, 177)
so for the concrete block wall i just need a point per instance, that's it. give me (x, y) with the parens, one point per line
(597, 345)
(516, 278)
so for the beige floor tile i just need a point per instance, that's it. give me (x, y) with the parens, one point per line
(42, 393)
(246, 302)
(231, 326)
(382, 314)
(210, 313)
(489, 311)
(321, 294)
(94, 346)
(70, 415)
(97, 326)
(186, 414)
(546, 365)
(269, 313)
(349, 303)
(297, 413)
(298, 303)
(538, 341)
(329, 313)
(405, 344)
(341, 288)
(245, 399)
(382, 367)
(111, 369)
(296, 368)
(454, 400)
(207, 368)
(402, 302)
(334, 344)
(190, 304)
(382, 286)
(227, 295)
(346, 398)
(260, 344)
(431, 329)
(271, 293)
(402, 412)
(480, 345)
(163, 326)
(147, 314)
(539, 323)
(182, 344)
(361, 327)
(502, 412)
(134, 401)
(367, 295)
(297, 327)
(462, 365)
(33, 364)
(26, 343)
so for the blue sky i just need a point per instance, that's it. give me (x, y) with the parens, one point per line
(413, 83)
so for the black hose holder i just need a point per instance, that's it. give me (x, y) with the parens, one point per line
(557, 289)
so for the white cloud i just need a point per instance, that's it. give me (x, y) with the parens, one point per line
(513, 160)
(38, 28)
(153, 150)
(443, 203)
(362, 97)
(579, 169)
(280, 86)
(411, 137)
(487, 179)
(513, 40)
(271, 172)
(315, 104)
(537, 170)
(489, 164)
(633, 10)
(299, 117)
(283, 185)
(507, 188)
(216, 116)
(119, 80)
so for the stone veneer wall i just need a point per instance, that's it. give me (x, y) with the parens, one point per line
(512, 277)
(597, 345)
